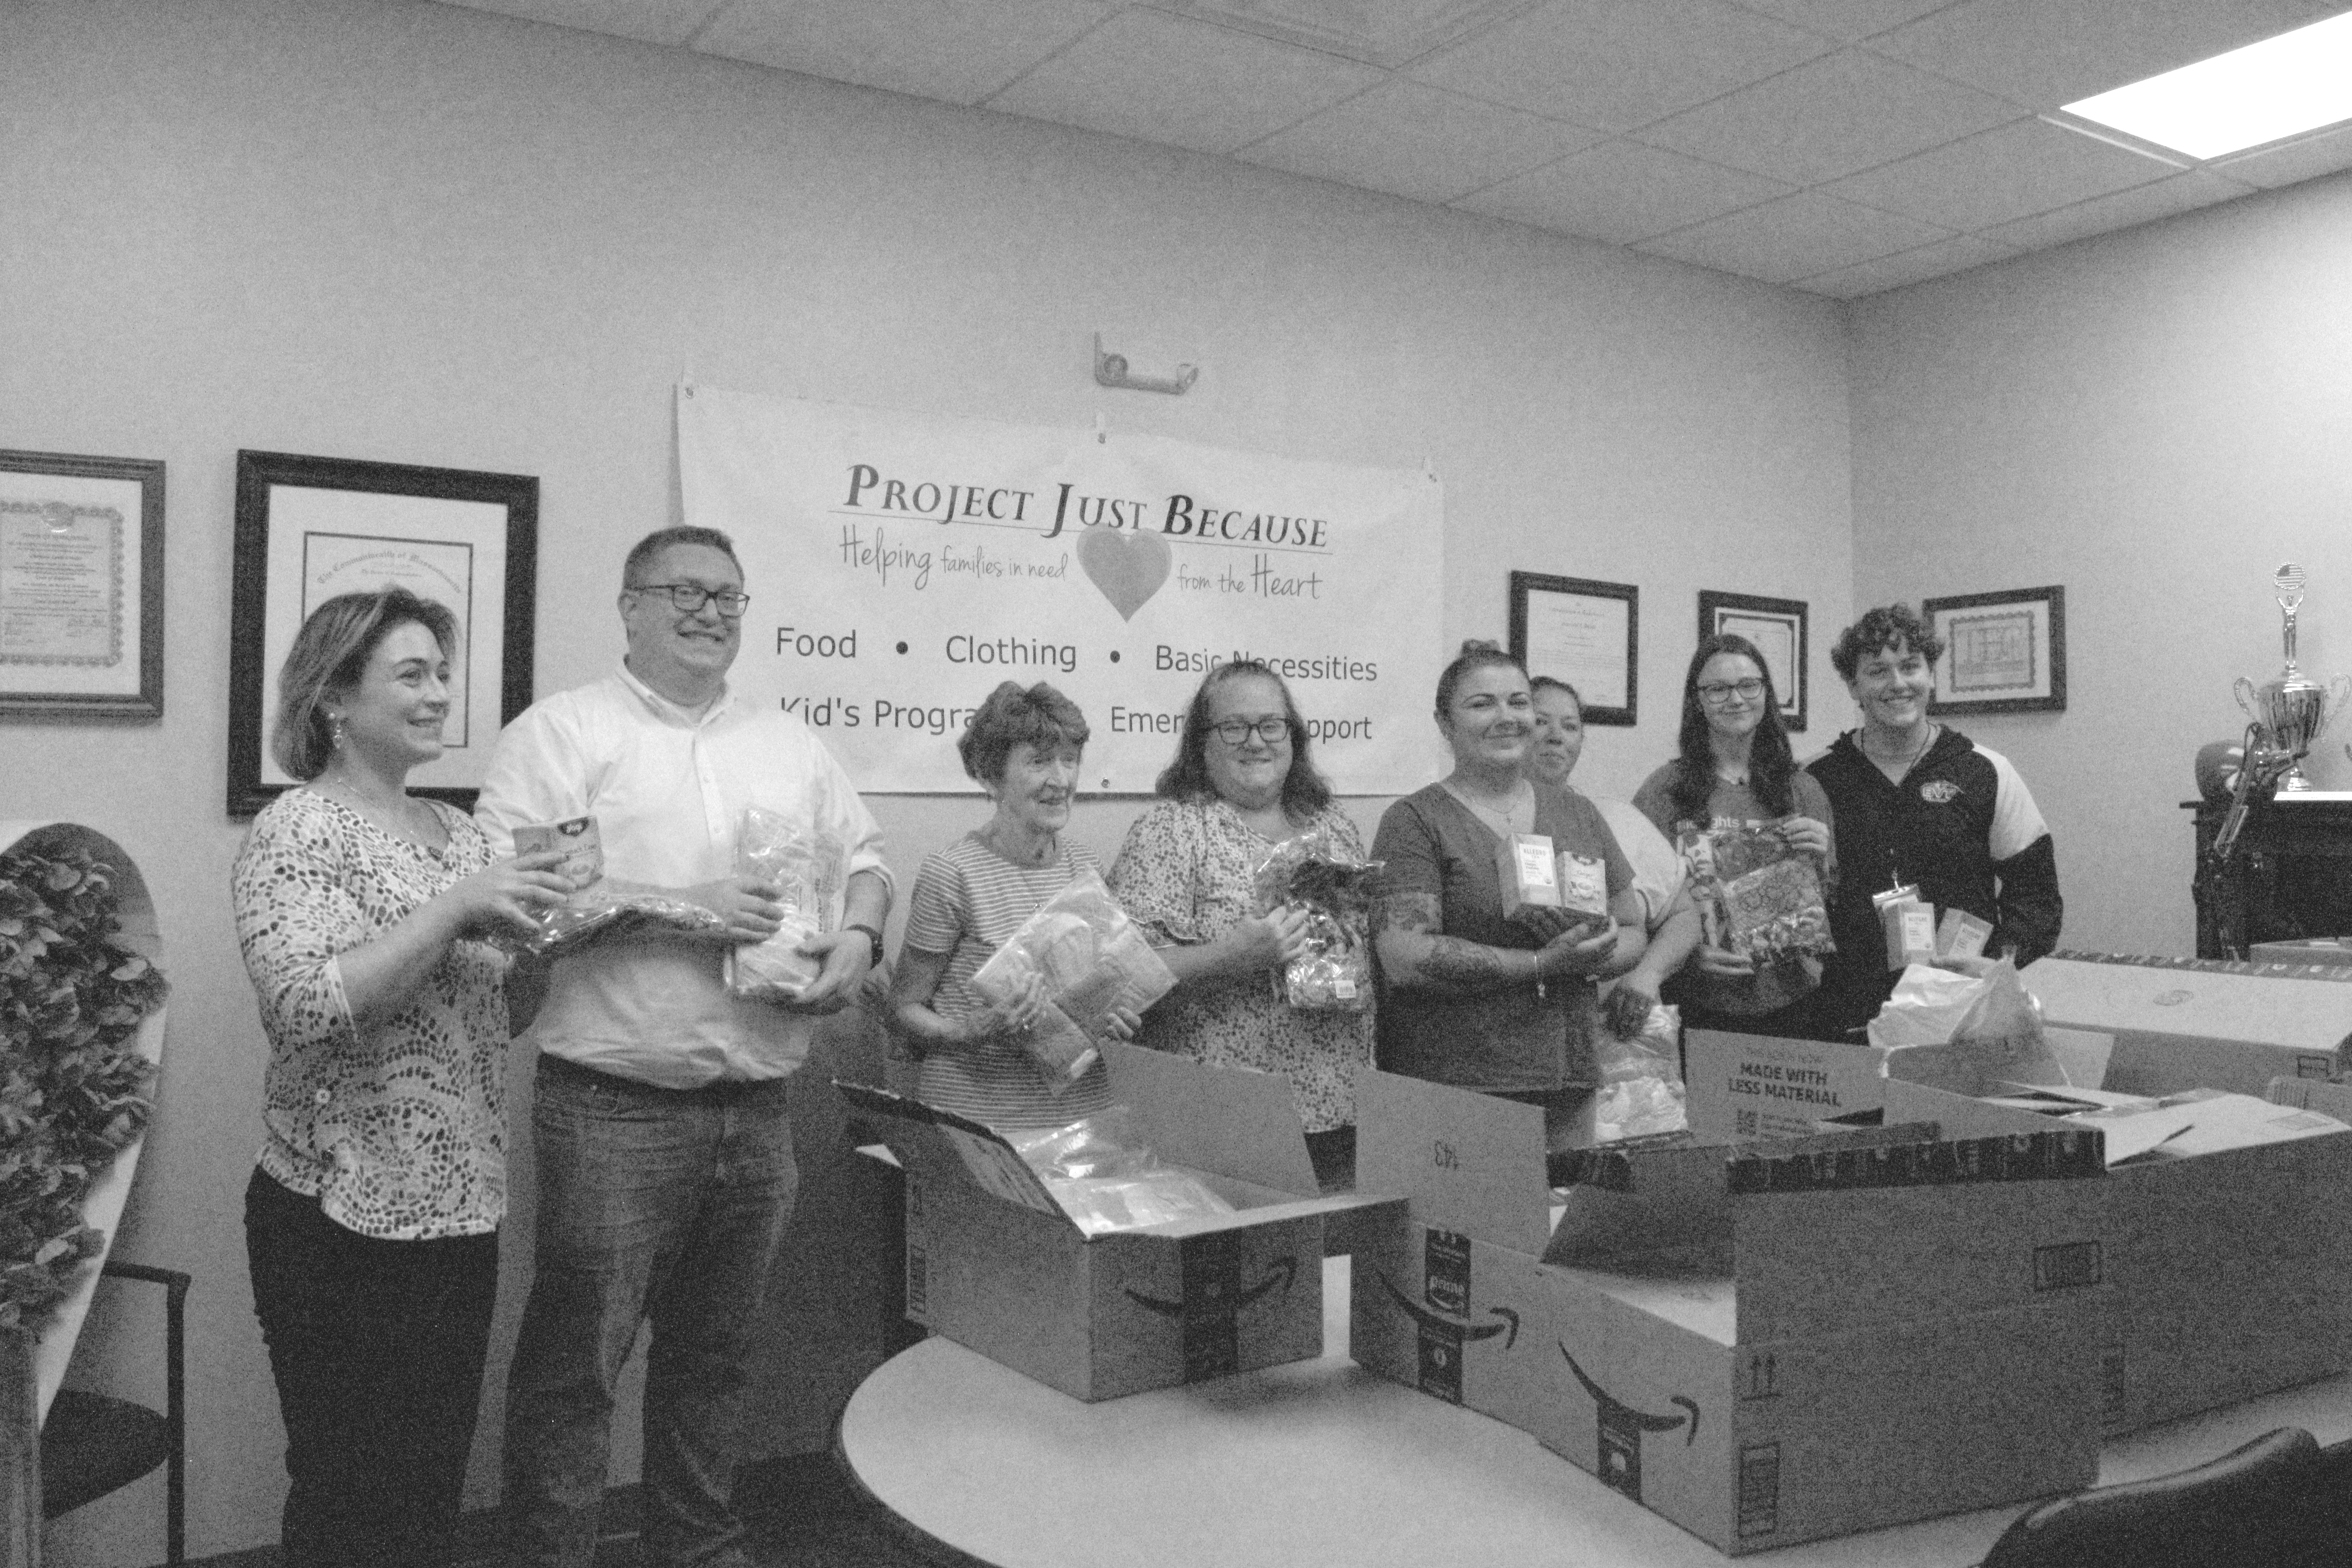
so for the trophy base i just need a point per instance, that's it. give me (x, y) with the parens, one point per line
(2294, 781)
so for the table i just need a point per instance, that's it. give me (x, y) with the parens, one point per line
(1322, 1463)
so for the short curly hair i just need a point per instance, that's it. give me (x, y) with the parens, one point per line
(1889, 626)
(1013, 716)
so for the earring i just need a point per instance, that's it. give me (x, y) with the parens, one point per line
(335, 730)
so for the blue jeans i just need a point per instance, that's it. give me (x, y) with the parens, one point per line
(661, 1203)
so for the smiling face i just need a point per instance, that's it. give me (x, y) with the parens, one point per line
(1248, 773)
(1731, 694)
(1034, 791)
(682, 654)
(1490, 724)
(1559, 736)
(1892, 686)
(392, 713)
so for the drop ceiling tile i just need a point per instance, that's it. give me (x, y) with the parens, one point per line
(1833, 116)
(2322, 153)
(2141, 203)
(2026, 167)
(959, 52)
(1795, 236)
(1617, 64)
(669, 21)
(2046, 53)
(1621, 191)
(1946, 256)
(1159, 78)
(1418, 142)
(1847, 20)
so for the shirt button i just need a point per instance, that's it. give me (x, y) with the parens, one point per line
(321, 1097)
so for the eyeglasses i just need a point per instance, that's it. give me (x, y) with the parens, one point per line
(1721, 692)
(689, 597)
(1236, 732)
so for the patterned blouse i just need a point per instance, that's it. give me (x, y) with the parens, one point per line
(398, 1127)
(1185, 875)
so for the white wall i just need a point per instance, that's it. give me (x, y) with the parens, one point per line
(2155, 419)
(417, 234)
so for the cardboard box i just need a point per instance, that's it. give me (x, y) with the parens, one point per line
(1765, 1344)
(993, 1263)
(2186, 1023)
(2326, 950)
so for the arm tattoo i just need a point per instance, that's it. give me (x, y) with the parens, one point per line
(1449, 963)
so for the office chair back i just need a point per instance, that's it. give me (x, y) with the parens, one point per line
(2256, 1504)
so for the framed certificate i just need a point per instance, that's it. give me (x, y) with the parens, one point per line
(2004, 652)
(1583, 632)
(1777, 627)
(81, 586)
(309, 529)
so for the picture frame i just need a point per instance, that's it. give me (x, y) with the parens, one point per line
(2003, 652)
(311, 528)
(81, 586)
(1778, 628)
(1584, 632)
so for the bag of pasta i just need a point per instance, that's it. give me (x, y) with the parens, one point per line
(1088, 958)
(1315, 872)
(1757, 895)
(807, 869)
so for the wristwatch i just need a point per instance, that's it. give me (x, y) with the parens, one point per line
(872, 936)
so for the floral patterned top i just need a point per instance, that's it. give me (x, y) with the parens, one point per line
(398, 1127)
(1185, 875)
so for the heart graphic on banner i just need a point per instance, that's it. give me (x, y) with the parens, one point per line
(1127, 566)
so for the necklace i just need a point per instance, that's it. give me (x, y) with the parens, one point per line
(401, 822)
(1516, 813)
(1907, 764)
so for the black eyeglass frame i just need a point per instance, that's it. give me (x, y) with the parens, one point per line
(702, 596)
(1281, 728)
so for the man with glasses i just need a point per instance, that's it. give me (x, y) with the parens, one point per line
(664, 1149)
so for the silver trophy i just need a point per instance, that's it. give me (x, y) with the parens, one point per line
(2290, 712)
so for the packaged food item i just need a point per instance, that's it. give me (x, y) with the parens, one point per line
(1530, 870)
(1641, 1092)
(1960, 934)
(1088, 958)
(1107, 1177)
(1757, 895)
(593, 911)
(808, 869)
(1583, 887)
(1312, 872)
(1909, 922)
(582, 845)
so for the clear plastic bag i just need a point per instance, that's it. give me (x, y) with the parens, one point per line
(1314, 872)
(1088, 958)
(807, 869)
(1107, 1177)
(1757, 895)
(590, 912)
(1640, 1084)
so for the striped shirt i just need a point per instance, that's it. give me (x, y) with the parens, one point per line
(968, 901)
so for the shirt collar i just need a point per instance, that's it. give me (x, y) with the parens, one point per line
(674, 713)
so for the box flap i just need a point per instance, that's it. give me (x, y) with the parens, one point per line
(1759, 1086)
(1235, 1121)
(1468, 1162)
(2313, 1094)
(2194, 999)
(940, 1146)
(1977, 1067)
(2212, 1123)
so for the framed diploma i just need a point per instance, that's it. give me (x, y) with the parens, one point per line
(1777, 627)
(81, 586)
(1581, 632)
(2004, 652)
(309, 529)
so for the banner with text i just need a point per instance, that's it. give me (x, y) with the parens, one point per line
(900, 565)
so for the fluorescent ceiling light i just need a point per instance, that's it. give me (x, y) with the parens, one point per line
(2263, 92)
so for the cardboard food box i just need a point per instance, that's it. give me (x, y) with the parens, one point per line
(995, 1264)
(1764, 1343)
(2183, 1024)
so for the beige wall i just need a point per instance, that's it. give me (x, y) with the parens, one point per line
(421, 235)
(2155, 419)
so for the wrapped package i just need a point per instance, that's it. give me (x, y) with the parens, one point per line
(1313, 871)
(593, 911)
(1931, 1006)
(1641, 1092)
(1757, 895)
(808, 869)
(1107, 1177)
(1086, 957)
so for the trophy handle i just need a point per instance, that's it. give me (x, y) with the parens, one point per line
(2246, 700)
(2339, 691)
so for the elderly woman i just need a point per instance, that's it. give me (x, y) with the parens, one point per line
(1920, 803)
(1474, 996)
(1023, 747)
(372, 1221)
(1735, 766)
(1241, 783)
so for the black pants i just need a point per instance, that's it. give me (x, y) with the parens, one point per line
(377, 1348)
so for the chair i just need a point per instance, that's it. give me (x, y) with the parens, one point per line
(92, 1445)
(2265, 1503)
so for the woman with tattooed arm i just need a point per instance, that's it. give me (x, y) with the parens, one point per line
(1470, 996)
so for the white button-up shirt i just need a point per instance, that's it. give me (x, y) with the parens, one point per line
(667, 787)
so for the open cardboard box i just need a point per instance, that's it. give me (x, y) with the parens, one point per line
(993, 1263)
(2187, 1023)
(1765, 1343)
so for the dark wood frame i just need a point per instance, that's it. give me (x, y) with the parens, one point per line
(1525, 583)
(1711, 602)
(148, 701)
(2054, 602)
(256, 473)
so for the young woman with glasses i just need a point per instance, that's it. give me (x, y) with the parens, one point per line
(1735, 766)
(1242, 782)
